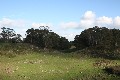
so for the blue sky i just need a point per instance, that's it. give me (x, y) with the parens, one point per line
(65, 17)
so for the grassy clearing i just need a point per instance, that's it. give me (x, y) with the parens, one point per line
(25, 62)
(53, 66)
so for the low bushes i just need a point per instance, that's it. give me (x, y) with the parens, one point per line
(11, 50)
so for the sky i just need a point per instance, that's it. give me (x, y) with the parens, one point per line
(64, 17)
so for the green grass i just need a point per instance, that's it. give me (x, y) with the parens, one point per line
(26, 62)
(52, 66)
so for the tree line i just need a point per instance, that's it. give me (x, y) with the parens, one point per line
(42, 38)
(96, 37)
(46, 39)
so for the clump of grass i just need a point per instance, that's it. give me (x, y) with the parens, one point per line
(113, 70)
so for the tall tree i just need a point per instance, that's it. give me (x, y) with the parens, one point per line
(7, 34)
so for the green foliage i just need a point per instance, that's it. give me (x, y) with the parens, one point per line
(45, 39)
(99, 38)
(8, 36)
(52, 66)
(64, 44)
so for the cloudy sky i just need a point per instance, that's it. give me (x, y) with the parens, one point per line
(64, 17)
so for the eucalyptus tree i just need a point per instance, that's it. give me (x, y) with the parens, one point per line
(100, 37)
(7, 34)
(45, 38)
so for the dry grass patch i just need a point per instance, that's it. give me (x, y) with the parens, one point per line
(113, 70)
(103, 63)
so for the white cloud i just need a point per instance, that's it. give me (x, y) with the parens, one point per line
(89, 19)
(70, 36)
(37, 25)
(104, 21)
(116, 22)
(6, 22)
(88, 15)
(86, 23)
(69, 25)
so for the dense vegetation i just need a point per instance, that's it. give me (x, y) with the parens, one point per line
(98, 37)
(42, 38)
(45, 39)
(99, 41)
(49, 56)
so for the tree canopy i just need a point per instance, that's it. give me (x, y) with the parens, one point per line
(98, 37)
(44, 38)
(9, 35)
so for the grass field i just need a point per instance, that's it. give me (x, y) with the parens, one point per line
(54, 66)
(23, 62)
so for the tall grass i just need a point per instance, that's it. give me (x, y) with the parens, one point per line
(13, 49)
